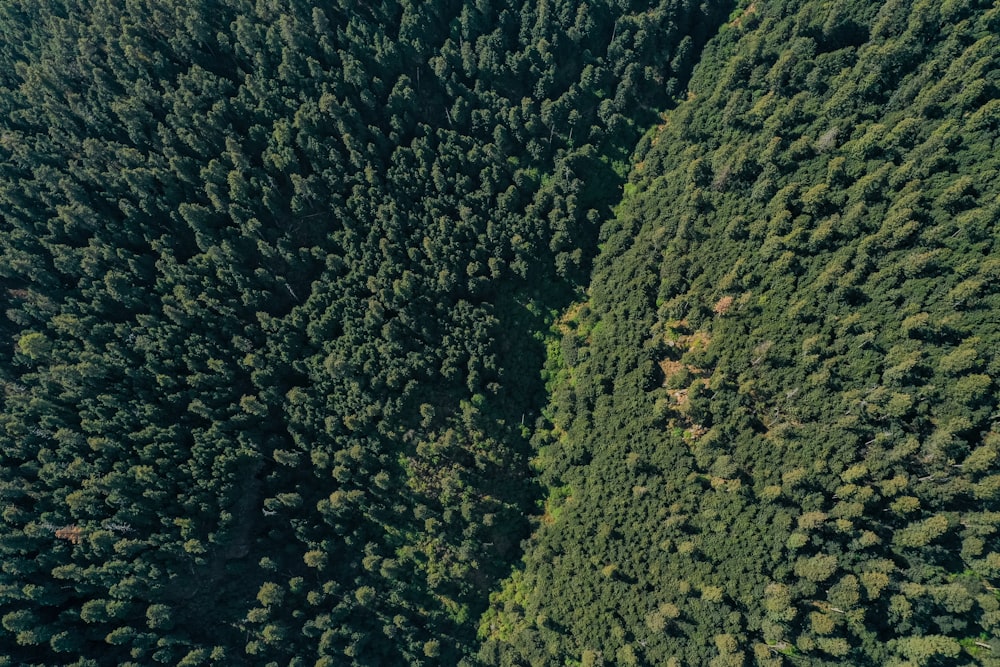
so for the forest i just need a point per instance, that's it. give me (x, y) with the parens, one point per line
(460, 332)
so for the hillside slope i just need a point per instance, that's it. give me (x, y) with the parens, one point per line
(772, 436)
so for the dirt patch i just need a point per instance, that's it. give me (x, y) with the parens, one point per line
(738, 21)
(671, 367)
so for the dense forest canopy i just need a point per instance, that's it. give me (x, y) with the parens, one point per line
(275, 280)
(772, 432)
(480, 333)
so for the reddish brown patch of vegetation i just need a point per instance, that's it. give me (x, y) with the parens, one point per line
(71, 533)
(722, 305)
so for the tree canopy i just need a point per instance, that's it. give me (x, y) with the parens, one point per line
(483, 333)
(772, 434)
(274, 277)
